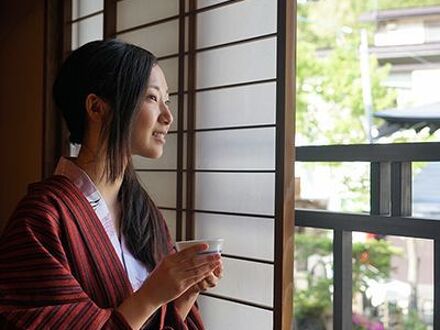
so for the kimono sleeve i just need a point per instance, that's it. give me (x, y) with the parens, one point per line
(37, 288)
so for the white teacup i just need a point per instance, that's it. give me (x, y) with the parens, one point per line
(214, 245)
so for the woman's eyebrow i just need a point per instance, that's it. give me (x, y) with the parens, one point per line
(157, 88)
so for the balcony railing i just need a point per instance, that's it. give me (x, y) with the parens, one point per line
(390, 212)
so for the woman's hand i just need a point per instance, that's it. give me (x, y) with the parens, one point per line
(174, 275)
(178, 272)
(186, 301)
(211, 280)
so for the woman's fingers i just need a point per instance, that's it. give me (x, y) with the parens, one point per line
(190, 252)
(202, 270)
(218, 272)
(210, 281)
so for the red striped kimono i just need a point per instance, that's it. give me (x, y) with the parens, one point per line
(59, 270)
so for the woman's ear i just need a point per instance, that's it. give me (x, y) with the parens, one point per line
(97, 109)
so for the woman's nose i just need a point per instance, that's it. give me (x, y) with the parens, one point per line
(166, 115)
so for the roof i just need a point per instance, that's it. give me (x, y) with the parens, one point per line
(428, 53)
(416, 117)
(390, 14)
(425, 188)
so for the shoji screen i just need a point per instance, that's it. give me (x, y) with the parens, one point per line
(87, 21)
(235, 157)
(154, 25)
(84, 22)
(228, 164)
(243, 156)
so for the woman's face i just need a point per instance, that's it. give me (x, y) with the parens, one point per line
(154, 117)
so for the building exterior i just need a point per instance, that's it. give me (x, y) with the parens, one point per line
(409, 40)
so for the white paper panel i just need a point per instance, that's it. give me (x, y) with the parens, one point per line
(206, 3)
(167, 161)
(258, 242)
(236, 149)
(174, 107)
(161, 39)
(132, 13)
(249, 281)
(87, 30)
(221, 315)
(235, 64)
(82, 8)
(174, 110)
(170, 218)
(245, 105)
(170, 68)
(235, 192)
(161, 186)
(218, 26)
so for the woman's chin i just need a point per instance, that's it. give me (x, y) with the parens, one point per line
(152, 154)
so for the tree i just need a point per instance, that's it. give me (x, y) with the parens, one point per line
(371, 261)
(329, 102)
(329, 93)
(329, 82)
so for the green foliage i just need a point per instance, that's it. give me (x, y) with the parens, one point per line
(413, 321)
(315, 301)
(371, 261)
(330, 107)
(307, 245)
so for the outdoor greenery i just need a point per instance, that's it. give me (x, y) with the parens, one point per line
(330, 110)
(329, 98)
(371, 261)
(330, 106)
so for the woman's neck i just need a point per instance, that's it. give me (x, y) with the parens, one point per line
(93, 162)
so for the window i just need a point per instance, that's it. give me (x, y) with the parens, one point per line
(366, 251)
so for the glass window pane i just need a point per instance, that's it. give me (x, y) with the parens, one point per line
(161, 186)
(313, 269)
(254, 104)
(235, 192)
(335, 186)
(219, 26)
(221, 314)
(235, 285)
(392, 281)
(426, 199)
(137, 12)
(82, 8)
(259, 239)
(87, 30)
(161, 39)
(367, 72)
(236, 64)
(236, 149)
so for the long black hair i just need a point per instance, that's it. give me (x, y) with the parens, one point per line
(118, 73)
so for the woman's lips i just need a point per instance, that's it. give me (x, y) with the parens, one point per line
(159, 136)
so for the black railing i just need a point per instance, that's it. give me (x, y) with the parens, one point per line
(390, 211)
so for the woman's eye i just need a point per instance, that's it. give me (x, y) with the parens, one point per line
(152, 97)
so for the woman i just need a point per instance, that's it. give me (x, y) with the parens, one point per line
(87, 248)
